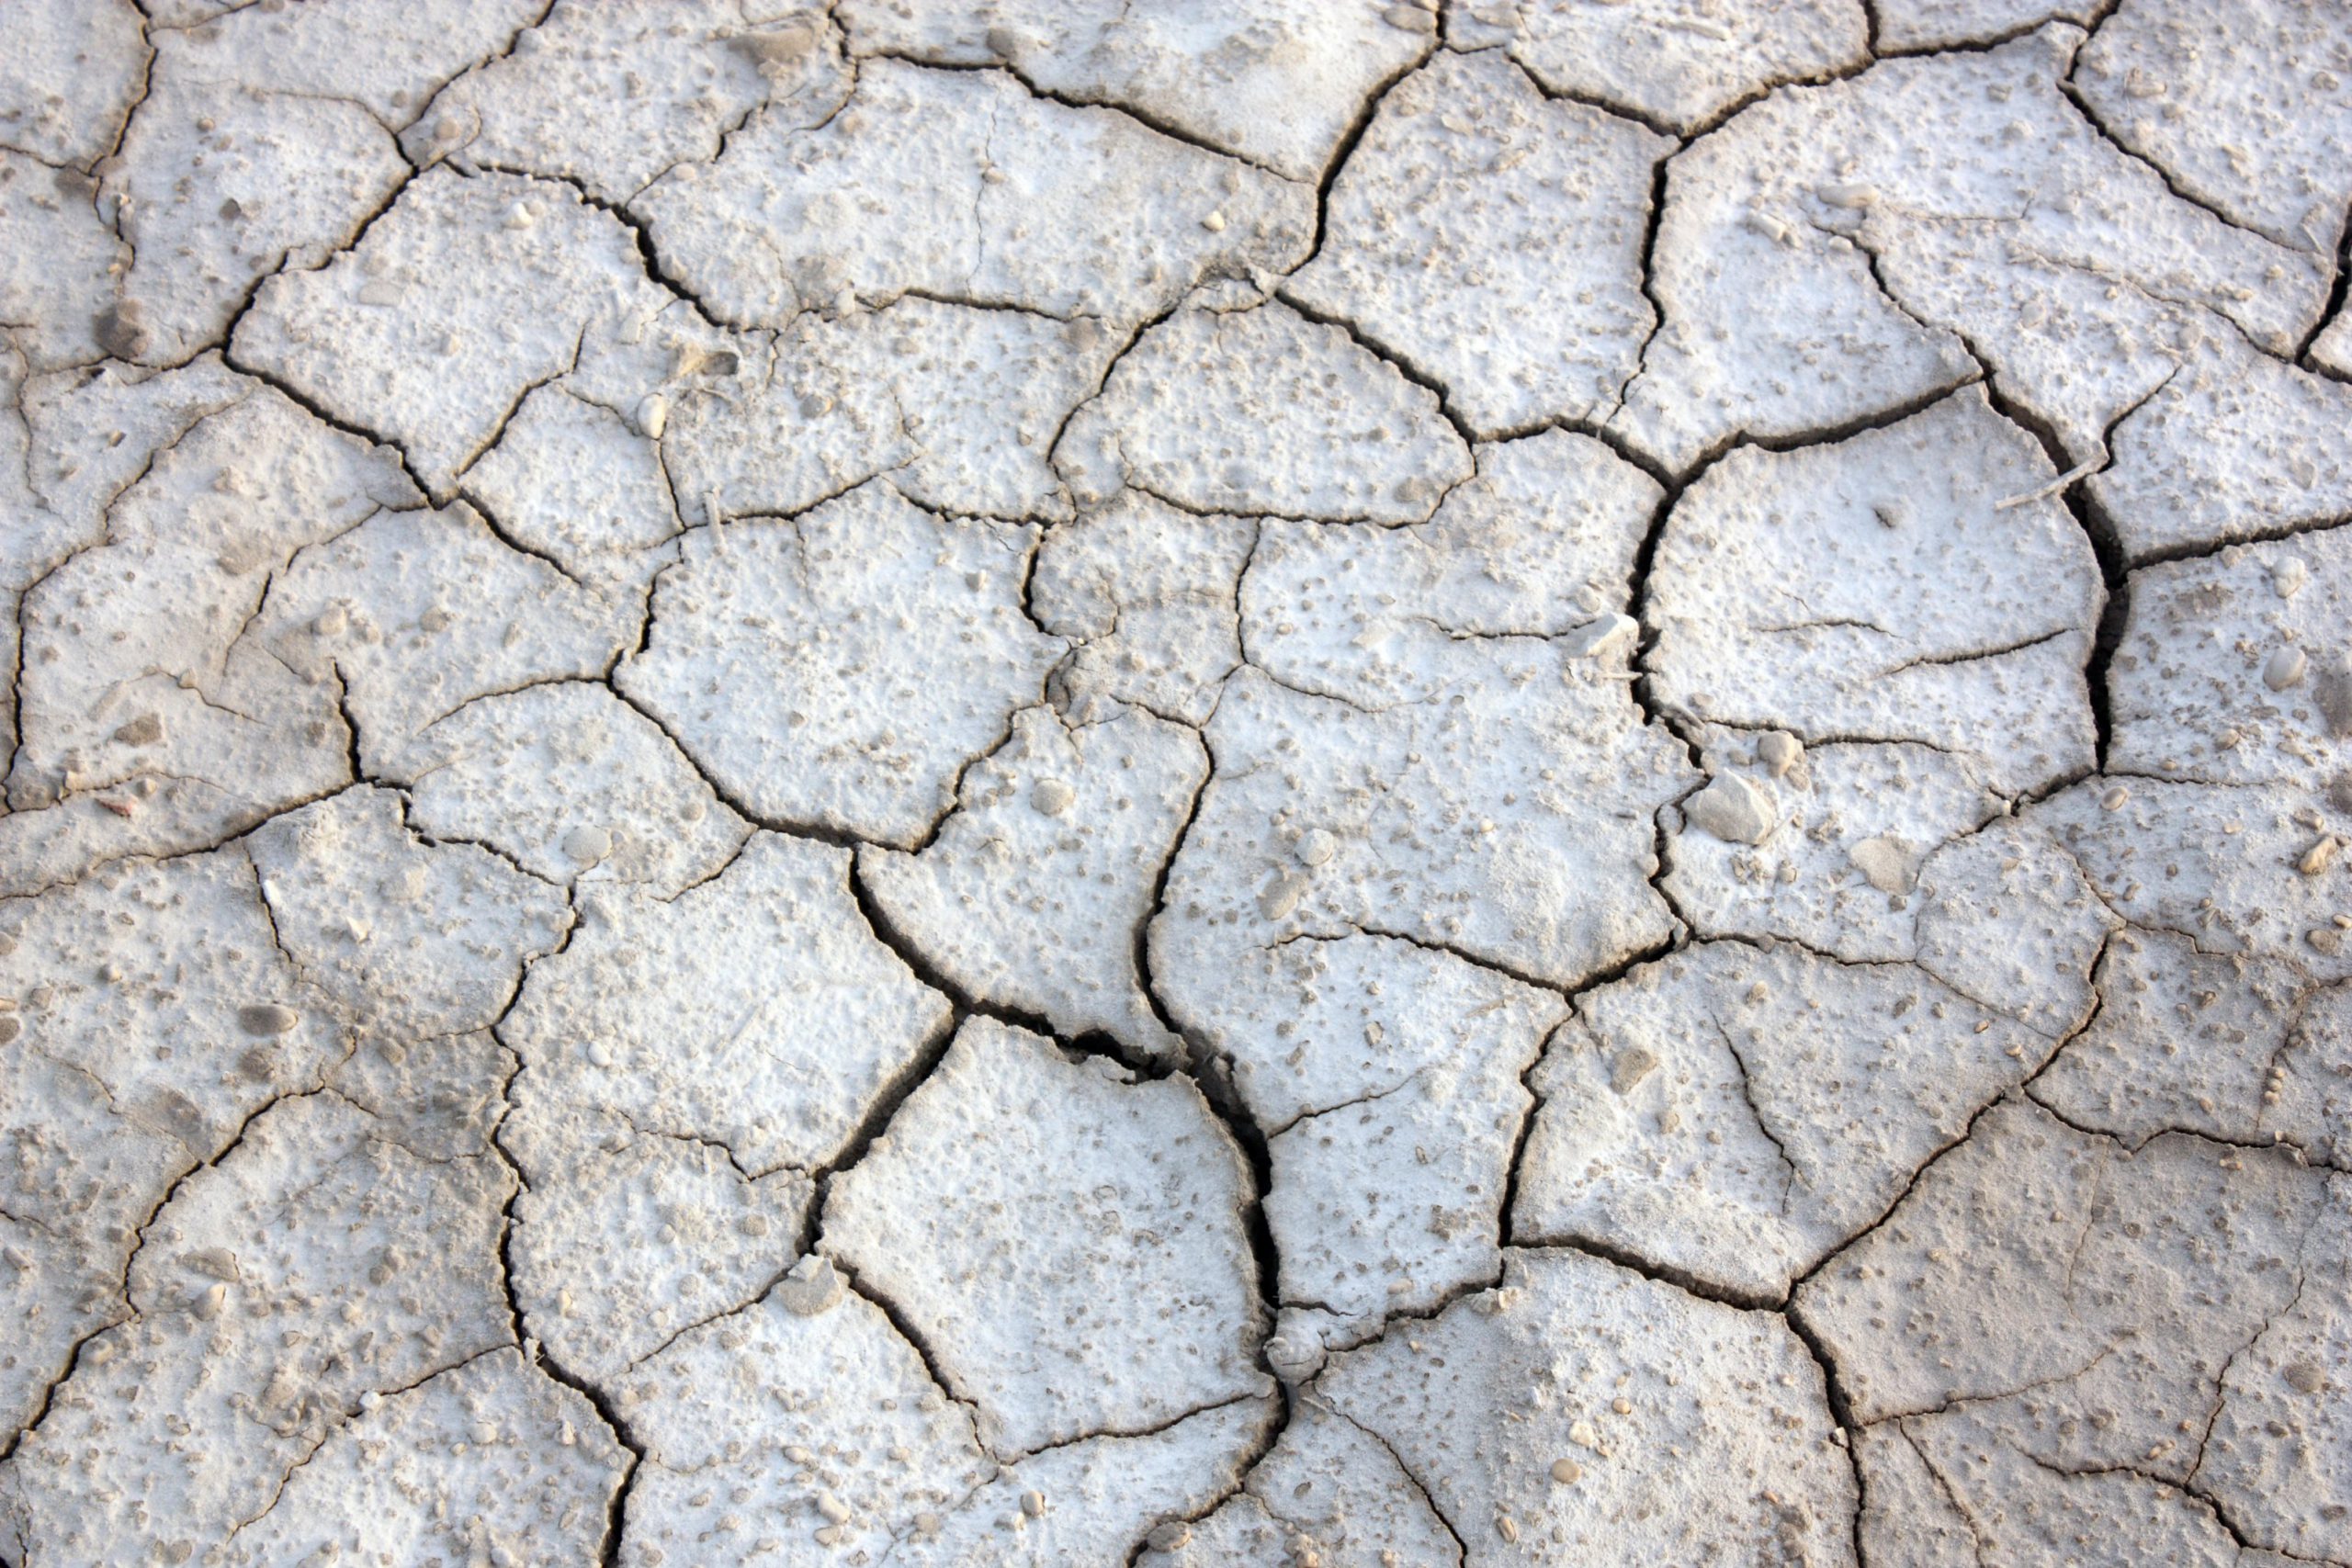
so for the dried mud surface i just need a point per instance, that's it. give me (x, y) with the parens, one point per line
(1296, 783)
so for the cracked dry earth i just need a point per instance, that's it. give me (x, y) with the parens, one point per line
(1300, 783)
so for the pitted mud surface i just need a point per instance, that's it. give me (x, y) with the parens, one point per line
(1310, 784)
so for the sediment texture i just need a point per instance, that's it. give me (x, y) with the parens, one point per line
(1311, 784)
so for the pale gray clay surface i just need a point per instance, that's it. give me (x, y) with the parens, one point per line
(1491, 238)
(1576, 1408)
(1836, 254)
(968, 1175)
(1276, 85)
(1923, 27)
(1818, 592)
(1166, 783)
(1676, 66)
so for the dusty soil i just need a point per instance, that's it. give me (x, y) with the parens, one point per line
(1293, 783)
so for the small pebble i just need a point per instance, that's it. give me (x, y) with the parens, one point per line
(810, 1287)
(1605, 636)
(1317, 847)
(1292, 1359)
(2286, 669)
(1567, 1471)
(588, 845)
(1632, 1065)
(1052, 796)
(774, 51)
(1736, 809)
(1281, 895)
(1886, 863)
(266, 1018)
